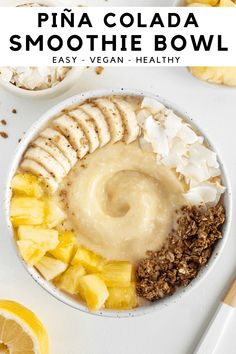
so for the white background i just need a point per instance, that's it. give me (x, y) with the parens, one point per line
(177, 328)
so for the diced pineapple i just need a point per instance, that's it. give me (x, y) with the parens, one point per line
(30, 251)
(93, 289)
(50, 267)
(215, 74)
(46, 238)
(117, 274)
(69, 280)
(26, 211)
(91, 261)
(54, 214)
(27, 184)
(122, 298)
(66, 247)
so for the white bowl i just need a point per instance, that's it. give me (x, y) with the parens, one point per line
(70, 79)
(50, 287)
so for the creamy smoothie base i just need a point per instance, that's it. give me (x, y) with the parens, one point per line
(121, 176)
(121, 203)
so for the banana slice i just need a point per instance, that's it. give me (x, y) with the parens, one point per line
(100, 122)
(129, 119)
(47, 161)
(49, 147)
(72, 131)
(87, 125)
(35, 168)
(62, 143)
(113, 118)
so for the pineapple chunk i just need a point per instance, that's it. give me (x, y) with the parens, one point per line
(93, 289)
(117, 274)
(69, 280)
(122, 298)
(50, 267)
(54, 214)
(66, 247)
(46, 238)
(91, 261)
(27, 184)
(215, 74)
(26, 211)
(30, 251)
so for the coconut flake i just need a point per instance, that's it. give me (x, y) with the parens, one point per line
(207, 193)
(198, 173)
(33, 78)
(153, 105)
(6, 74)
(178, 146)
(142, 115)
(157, 137)
(177, 154)
(172, 124)
(187, 134)
(173, 160)
(202, 154)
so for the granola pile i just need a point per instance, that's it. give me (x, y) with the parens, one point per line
(186, 251)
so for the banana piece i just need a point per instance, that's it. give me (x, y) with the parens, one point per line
(100, 122)
(72, 131)
(87, 125)
(113, 118)
(47, 161)
(62, 143)
(129, 119)
(49, 147)
(35, 168)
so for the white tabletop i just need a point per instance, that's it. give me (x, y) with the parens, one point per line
(177, 328)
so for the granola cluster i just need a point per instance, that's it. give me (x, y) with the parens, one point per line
(186, 251)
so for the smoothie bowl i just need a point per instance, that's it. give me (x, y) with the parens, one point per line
(117, 202)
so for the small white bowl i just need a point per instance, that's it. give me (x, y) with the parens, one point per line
(49, 287)
(70, 79)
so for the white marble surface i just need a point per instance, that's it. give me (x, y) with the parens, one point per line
(177, 328)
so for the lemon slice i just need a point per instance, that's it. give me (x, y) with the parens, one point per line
(21, 332)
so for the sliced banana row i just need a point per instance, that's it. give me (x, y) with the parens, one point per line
(77, 132)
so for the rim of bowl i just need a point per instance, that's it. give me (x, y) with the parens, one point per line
(49, 287)
(72, 74)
